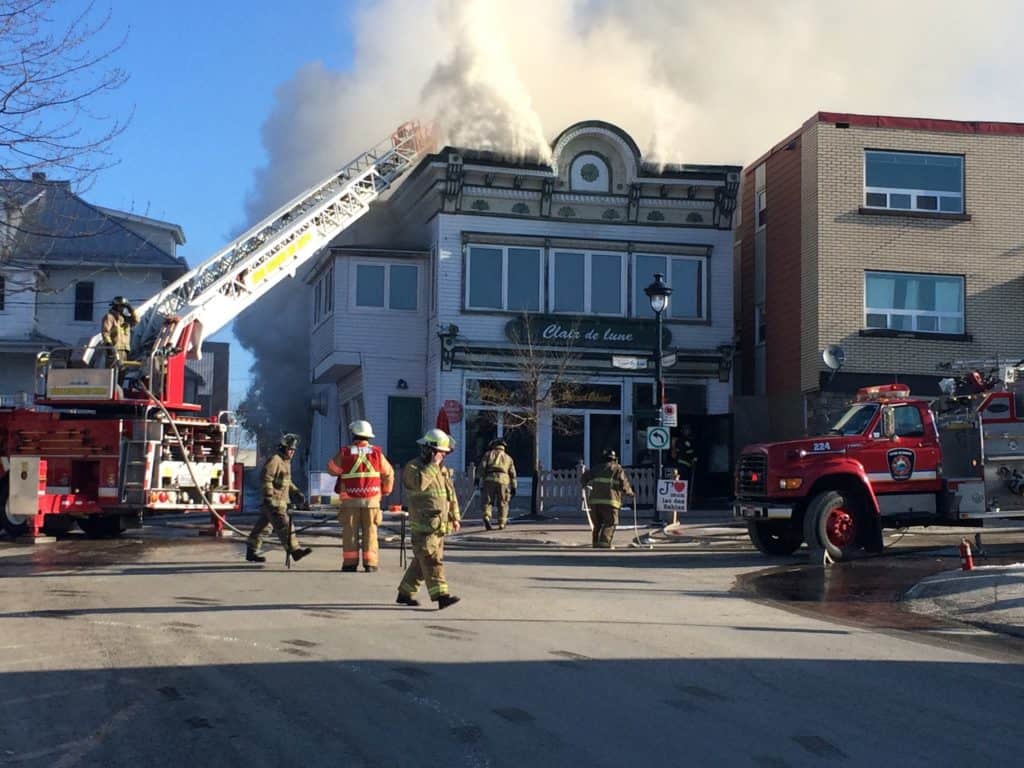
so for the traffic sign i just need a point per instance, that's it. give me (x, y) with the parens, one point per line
(657, 438)
(671, 496)
(669, 415)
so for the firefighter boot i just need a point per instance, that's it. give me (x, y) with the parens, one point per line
(349, 567)
(301, 552)
(487, 523)
(253, 556)
(443, 601)
(404, 599)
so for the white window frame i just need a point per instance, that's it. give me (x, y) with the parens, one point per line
(915, 314)
(670, 257)
(587, 275)
(323, 296)
(504, 276)
(761, 208)
(913, 193)
(387, 286)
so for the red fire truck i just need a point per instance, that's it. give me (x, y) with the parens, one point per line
(104, 446)
(890, 460)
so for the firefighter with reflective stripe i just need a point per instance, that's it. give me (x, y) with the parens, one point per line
(364, 476)
(116, 330)
(277, 490)
(433, 513)
(609, 484)
(498, 473)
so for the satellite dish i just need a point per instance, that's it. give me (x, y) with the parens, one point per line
(833, 356)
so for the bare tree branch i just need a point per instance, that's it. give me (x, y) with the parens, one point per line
(53, 74)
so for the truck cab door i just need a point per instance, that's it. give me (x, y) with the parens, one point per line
(905, 457)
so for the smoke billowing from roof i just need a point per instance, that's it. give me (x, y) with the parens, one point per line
(690, 81)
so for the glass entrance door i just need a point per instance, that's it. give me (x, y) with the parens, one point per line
(584, 436)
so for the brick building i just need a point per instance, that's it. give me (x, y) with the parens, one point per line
(898, 239)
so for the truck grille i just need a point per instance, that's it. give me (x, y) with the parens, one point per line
(752, 475)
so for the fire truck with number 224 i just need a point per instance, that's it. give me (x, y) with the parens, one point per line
(102, 447)
(890, 460)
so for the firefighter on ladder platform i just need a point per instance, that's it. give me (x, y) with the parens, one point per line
(116, 331)
(364, 476)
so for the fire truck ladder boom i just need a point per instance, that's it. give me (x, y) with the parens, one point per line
(216, 291)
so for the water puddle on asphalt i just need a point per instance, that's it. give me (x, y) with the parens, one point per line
(867, 592)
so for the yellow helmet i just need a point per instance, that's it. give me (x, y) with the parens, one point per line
(437, 439)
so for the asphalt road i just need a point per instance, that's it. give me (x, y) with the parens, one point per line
(166, 649)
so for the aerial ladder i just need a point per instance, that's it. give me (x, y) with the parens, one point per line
(109, 445)
(173, 323)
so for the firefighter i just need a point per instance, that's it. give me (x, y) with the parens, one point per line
(686, 458)
(609, 483)
(433, 512)
(116, 331)
(277, 490)
(364, 475)
(498, 473)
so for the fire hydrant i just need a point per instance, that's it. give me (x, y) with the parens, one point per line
(966, 558)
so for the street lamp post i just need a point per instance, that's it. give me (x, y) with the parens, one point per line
(658, 292)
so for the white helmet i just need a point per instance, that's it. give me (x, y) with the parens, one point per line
(361, 428)
(437, 439)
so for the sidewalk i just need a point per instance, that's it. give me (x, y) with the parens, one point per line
(990, 597)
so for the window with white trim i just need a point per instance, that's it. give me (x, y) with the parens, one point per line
(762, 207)
(913, 181)
(587, 282)
(918, 303)
(506, 278)
(387, 286)
(685, 274)
(323, 296)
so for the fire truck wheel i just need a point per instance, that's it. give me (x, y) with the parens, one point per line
(13, 526)
(775, 537)
(832, 523)
(97, 527)
(58, 525)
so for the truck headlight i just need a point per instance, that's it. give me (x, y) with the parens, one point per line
(790, 483)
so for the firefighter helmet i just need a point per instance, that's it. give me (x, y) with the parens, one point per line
(437, 439)
(119, 301)
(498, 442)
(610, 455)
(361, 428)
(289, 441)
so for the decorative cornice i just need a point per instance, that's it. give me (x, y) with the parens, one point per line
(625, 150)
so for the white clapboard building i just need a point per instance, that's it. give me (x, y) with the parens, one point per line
(480, 275)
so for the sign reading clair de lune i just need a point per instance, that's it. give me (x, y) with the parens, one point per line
(575, 331)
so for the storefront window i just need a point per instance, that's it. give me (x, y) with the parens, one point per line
(567, 440)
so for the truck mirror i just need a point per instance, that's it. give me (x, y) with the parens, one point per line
(889, 423)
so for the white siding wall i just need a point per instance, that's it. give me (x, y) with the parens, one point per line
(17, 318)
(56, 313)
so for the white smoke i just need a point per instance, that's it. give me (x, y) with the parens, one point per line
(714, 82)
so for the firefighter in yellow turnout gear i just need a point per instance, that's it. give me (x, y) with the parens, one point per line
(433, 513)
(116, 331)
(277, 489)
(498, 473)
(610, 484)
(364, 476)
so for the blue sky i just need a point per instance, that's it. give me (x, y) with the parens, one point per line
(202, 81)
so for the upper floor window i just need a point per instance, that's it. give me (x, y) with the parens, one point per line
(3, 293)
(503, 278)
(589, 173)
(83, 301)
(921, 303)
(585, 282)
(685, 274)
(762, 208)
(387, 286)
(323, 295)
(911, 181)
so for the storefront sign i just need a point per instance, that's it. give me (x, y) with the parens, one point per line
(599, 397)
(576, 331)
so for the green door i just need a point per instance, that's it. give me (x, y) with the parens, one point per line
(405, 427)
